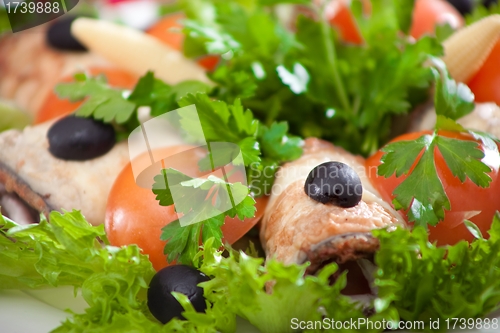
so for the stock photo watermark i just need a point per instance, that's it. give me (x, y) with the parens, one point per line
(27, 14)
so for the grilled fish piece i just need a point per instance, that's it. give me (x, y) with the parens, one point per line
(296, 229)
(46, 183)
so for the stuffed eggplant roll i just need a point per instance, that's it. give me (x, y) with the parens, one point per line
(70, 164)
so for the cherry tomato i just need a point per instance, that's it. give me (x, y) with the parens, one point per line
(426, 15)
(133, 216)
(466, 198)
(486, 82)
(53, 106)
(341, 17)
(429, 13)
(168, 31)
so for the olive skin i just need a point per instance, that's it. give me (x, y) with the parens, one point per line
(60, 38)
(179, 278)
(80, 139)
(334, 183)
(463, 6)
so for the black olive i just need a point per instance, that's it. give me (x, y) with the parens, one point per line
(59, 35)
(463, 6)
(79, 139)
(335, 183)
(178, 278)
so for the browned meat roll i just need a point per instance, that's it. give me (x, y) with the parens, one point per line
(295, 228)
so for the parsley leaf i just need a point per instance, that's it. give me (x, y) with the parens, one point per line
(422, 192)
(103, 103)
(464, 160)
(263, 149)
(345, 93)
(118, 106)
(481, 12)
(204, 205)
(452, 99)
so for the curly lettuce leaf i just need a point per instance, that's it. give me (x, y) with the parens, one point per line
(113, 281)
(424, 281)
(271, 296)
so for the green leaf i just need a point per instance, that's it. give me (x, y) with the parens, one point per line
(426, 282)
(239, 281)
(276, 144)
(443, 31)
(203, 216)
(422, 191)
(480, 11)
(400, 156)
(447, 124)
(102, 103)
(12, 117)
(463, 158)
(404, 12)
(474, 229)
(453, 100)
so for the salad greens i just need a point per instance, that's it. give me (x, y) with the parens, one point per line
(262, 147)
(424, 281)
(346, 93)
(451, 280)
(481, 12)
(416, 158)
(119, 106)
(311, 83)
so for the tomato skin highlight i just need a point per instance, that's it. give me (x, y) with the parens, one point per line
(465, 198)
(54, 107)
(486, 82)
(427, 14)
(134, 216)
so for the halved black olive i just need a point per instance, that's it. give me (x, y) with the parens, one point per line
(79, 139)
(178, 278)
(59, 35)
(334, 183)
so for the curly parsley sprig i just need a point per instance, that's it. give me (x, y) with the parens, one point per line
(422, 192)
(120, 106)
(263, 148)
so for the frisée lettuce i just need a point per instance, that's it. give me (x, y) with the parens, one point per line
(416, 280)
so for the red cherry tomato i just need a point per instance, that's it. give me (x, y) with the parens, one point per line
(429, 13)
(426, 15)
(486, 82)
(54, 107)
(133, 216)
(465, 198)
(168, 30)
(341, 17)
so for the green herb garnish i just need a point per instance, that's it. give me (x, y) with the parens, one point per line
(422, 192)
(424, 281)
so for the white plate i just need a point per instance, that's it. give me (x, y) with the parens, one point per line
(41, 311)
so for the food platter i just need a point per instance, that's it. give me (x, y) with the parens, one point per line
(297, 165)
